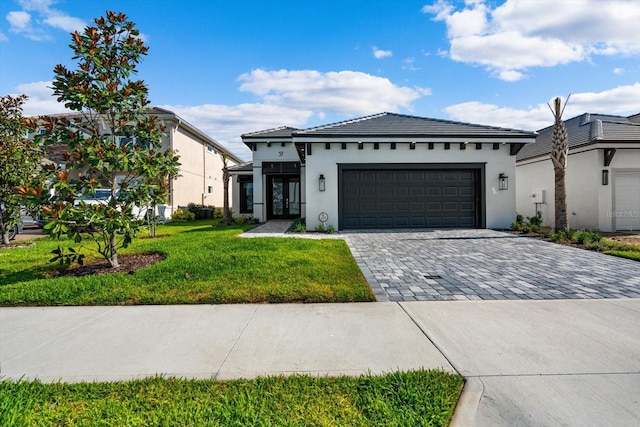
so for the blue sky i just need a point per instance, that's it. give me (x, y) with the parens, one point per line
(232, 67)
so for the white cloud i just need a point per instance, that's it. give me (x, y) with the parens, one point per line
(3, 38)
(409, 64)
(621, 100)
(41, 100)
(36, 29)
(379, 53)
(342, 92)
(519, 34)
(619, 71)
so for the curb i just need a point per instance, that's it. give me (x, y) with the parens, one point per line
(468, 403)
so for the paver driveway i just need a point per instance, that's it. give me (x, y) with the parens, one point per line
(486, 265)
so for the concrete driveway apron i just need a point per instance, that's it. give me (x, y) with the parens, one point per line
(486, 265)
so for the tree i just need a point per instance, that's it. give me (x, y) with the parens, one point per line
(21, 171)
(225, 186)
(559, 154)
(112, 141)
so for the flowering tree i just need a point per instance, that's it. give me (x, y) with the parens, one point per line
(21, 170)
(110, 142)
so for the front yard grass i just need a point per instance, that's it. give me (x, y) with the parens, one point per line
(414, 398)
(203, 264)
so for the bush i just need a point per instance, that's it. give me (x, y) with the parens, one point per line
(569, 234)
(516, 226)
(557, 237)
(299, 226)
(586, 236)
(182, 216)
(331, 229)
(319, 228)
(519, 219)
(535, 220)
(201, 211)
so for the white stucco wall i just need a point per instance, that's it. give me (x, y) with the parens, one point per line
(500, 205)
(590, 204)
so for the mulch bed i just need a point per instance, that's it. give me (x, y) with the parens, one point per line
(127, 264)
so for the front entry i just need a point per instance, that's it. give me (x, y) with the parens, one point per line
(283, 197)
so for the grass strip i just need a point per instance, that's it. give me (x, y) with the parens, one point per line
(203, 265)
(414, 398)
(626, 254)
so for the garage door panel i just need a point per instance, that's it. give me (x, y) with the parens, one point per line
(409, 198)
(627, 200)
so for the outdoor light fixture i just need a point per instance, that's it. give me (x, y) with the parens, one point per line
(503, 182)
(605, 177)
(321, 183)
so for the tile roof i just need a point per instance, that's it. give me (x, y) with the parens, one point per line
(392, 124)
(281, 132)
(584, 130)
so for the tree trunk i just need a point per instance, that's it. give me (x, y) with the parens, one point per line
(561, 222)
(225, 183)
(5, 238)
(559, 154)
(113, 251)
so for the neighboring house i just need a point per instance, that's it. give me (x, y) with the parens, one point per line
(200, 179)
(603, 174)
(383, 171)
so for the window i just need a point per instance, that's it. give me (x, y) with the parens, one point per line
(210, 189)
(131, 142)
(246, 196)
(211, 149)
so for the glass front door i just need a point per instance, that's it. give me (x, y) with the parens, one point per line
(284, 197)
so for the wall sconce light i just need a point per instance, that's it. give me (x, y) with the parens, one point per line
(321, 183)
(605, 177)
(503, 182)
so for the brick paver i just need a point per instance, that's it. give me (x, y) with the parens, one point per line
(486, 265)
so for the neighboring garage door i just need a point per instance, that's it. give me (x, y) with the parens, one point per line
(627, 200)
(410, 198)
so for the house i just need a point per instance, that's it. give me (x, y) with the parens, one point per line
(602, 177)
(200, 176)
(382, 171)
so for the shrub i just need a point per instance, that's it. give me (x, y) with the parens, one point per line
(319, 228)
(525, 229)
(299, 226)
(535, 220)
(331, 229)
(239, 220)
(596, 245)
(569, 234)
(586, 236)
(516, 226)
(182, 216)
(519, 219)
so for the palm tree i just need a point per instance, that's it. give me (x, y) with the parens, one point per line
(559, 154)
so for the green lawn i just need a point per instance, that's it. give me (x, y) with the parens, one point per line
(203, 264)
(415, 398)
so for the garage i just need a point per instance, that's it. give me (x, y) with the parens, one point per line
(419, 196)
(627, 201)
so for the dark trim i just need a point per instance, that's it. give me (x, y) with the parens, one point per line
(447, 145)
(496, 145)
(344, 145)
(463, 145)
(376, 145)
(479, 168)
(327, 146)
(245, 178)
(478, 146)
(308, 152)
(281, 168)
(301, 153)
(414, 135)
(515, 148)
(282, 144)
(268, 143)
(360, 145)
(393, 145)
(431, 146)
(608, 155)
(412, 145)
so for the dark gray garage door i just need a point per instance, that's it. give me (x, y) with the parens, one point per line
(406, 198)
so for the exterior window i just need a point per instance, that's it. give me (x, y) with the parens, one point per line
(246, 197)
(210, 189)
(211, 149)
(131, 142)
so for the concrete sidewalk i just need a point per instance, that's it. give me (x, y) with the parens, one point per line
(570, 362)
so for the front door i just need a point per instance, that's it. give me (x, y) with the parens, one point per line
(283, 197)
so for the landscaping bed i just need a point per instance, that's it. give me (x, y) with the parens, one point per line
(202, 265)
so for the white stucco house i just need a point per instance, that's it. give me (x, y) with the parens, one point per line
(382, 171)
(603, 174)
